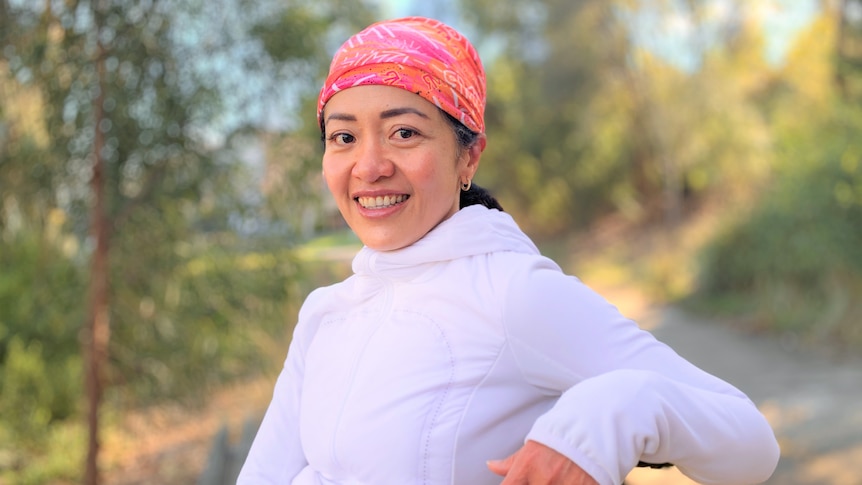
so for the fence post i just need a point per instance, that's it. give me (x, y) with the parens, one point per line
(239, 452)
(224, 461)
(214, 468)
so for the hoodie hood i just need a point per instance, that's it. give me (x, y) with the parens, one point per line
(471, 231)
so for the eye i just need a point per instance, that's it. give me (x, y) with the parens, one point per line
(405, 133)
(342, 138)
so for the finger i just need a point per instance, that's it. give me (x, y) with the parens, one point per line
(501, 467)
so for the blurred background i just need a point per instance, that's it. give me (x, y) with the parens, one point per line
(162, 213)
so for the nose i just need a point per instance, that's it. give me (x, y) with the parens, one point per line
(372, 162)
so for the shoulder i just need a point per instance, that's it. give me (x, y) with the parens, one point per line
(521, 272)
(532, 285)
(318, 303)
(538, 290)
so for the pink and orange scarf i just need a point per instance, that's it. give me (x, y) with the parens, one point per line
(420, 55)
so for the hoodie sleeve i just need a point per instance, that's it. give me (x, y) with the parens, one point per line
(623, 395)
(276, 455)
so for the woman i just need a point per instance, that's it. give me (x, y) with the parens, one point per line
(456, 353)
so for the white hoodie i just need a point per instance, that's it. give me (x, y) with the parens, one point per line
(432, 359)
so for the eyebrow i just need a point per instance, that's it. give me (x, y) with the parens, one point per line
(389, 113)
(341, 117)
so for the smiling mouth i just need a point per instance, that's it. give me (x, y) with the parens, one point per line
(381, 202)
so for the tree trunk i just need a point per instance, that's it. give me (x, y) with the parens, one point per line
(97, 329)
(840, 78)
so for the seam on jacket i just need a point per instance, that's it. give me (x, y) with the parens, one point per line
(479, 385)
(443, 395)
(469, 402)
(352, 379)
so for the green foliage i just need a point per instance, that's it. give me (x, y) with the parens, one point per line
(58, 460)
(580, 128)
(37, 390)
(40, 294)
(293, 35)
(300, 30)
(796, 259)
(557, 122)
(40, 314)
(208, 316)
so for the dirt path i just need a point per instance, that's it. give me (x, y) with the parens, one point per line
(813, 402)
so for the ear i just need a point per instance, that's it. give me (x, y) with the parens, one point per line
(473, 155)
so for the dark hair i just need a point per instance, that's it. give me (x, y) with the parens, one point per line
(479, 195)
(475, 194)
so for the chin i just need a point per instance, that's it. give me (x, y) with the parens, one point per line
(384, 243)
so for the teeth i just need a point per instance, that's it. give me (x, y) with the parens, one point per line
(380, 202)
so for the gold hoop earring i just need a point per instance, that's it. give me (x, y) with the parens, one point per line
(465, 186)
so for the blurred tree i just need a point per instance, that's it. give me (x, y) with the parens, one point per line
(703, 129)
(583, 119)
(292, 185)
(120, 122)
(794, 260)
(138, 110)
(556, 103)
(848, 50)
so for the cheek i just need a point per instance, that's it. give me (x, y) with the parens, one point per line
(427, 176)
(331, 174)
(438, 181)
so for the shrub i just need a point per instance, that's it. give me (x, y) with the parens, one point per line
(796, 260)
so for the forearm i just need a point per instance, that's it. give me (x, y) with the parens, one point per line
(608, 423)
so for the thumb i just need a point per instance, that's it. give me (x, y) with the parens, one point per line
(502, 467)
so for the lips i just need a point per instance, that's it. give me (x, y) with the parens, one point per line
(381, 202)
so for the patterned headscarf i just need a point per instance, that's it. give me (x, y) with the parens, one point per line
(417, 54)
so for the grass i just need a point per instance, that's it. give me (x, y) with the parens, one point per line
(336, 245)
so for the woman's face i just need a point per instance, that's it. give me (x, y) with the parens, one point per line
(393, 164)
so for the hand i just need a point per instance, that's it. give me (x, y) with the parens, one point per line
(536, 464)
